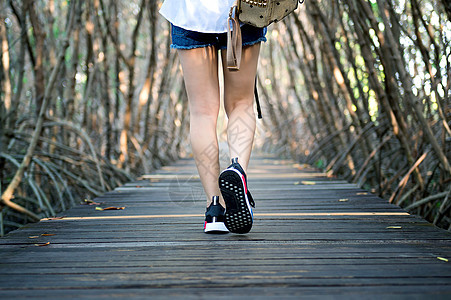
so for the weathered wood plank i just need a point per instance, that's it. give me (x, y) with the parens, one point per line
(314, 237)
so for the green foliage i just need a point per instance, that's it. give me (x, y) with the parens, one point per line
(320, 164)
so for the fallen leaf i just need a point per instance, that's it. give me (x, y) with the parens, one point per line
(442, 258)
(114, 208)
(363, 193)
(33, 236)
(55, 218)
(330, 174)
(47, 234)
(306, 182)
(301, 167)
(90, 202)
(296, 183)
(40, 245)
(343, 200)
(393, 227)
(139, 186)
(298, 166)
(110, 208)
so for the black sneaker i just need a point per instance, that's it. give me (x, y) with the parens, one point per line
(239, 202)
(214, 218)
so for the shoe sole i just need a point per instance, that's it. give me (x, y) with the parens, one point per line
(216, 228)
(238, 214)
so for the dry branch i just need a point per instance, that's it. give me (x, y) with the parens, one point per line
(7, 195)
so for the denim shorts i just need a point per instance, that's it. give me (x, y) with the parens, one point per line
(187, 39)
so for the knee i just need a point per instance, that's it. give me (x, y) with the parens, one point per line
(238, 103)
(204, 111)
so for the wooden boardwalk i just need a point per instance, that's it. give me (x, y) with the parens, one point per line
(313, 237)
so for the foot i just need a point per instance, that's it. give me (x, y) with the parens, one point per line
(239, 202)
(214, 218)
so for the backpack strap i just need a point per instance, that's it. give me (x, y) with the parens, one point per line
(235, 47)
(234, 40)
(259, 110)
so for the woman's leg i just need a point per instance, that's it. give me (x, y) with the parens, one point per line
(239, 104)
(200, 72)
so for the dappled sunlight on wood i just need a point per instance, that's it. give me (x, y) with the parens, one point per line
(323, 214)
(358, 89)
(312, 242)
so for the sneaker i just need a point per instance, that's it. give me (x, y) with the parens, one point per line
(214, 218)
(239, 202)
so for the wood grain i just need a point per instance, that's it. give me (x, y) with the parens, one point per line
(313, 237)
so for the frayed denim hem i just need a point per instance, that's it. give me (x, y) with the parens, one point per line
(262, 39)
(174, 46)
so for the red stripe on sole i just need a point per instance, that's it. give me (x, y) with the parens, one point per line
(244, 183)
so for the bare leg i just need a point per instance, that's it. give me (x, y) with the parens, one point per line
(200, 72)
(239, 104)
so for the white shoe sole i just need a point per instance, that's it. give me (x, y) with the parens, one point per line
(215, 227)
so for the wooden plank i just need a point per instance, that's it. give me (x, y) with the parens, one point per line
(264, 292)
(305, 242)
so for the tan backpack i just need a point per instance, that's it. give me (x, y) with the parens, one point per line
(261, 13)
(258, 13)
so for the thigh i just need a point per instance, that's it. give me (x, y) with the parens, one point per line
(239, 85)
(200, 72)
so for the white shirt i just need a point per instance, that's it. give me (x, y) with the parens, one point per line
(209, 16)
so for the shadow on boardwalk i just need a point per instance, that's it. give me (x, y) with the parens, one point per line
(312, 237)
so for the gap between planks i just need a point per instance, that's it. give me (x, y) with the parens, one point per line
(257, 215)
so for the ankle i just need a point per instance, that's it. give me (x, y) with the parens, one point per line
(216, 200)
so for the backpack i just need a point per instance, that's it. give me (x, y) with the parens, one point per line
(261, 13)
(258, 13)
